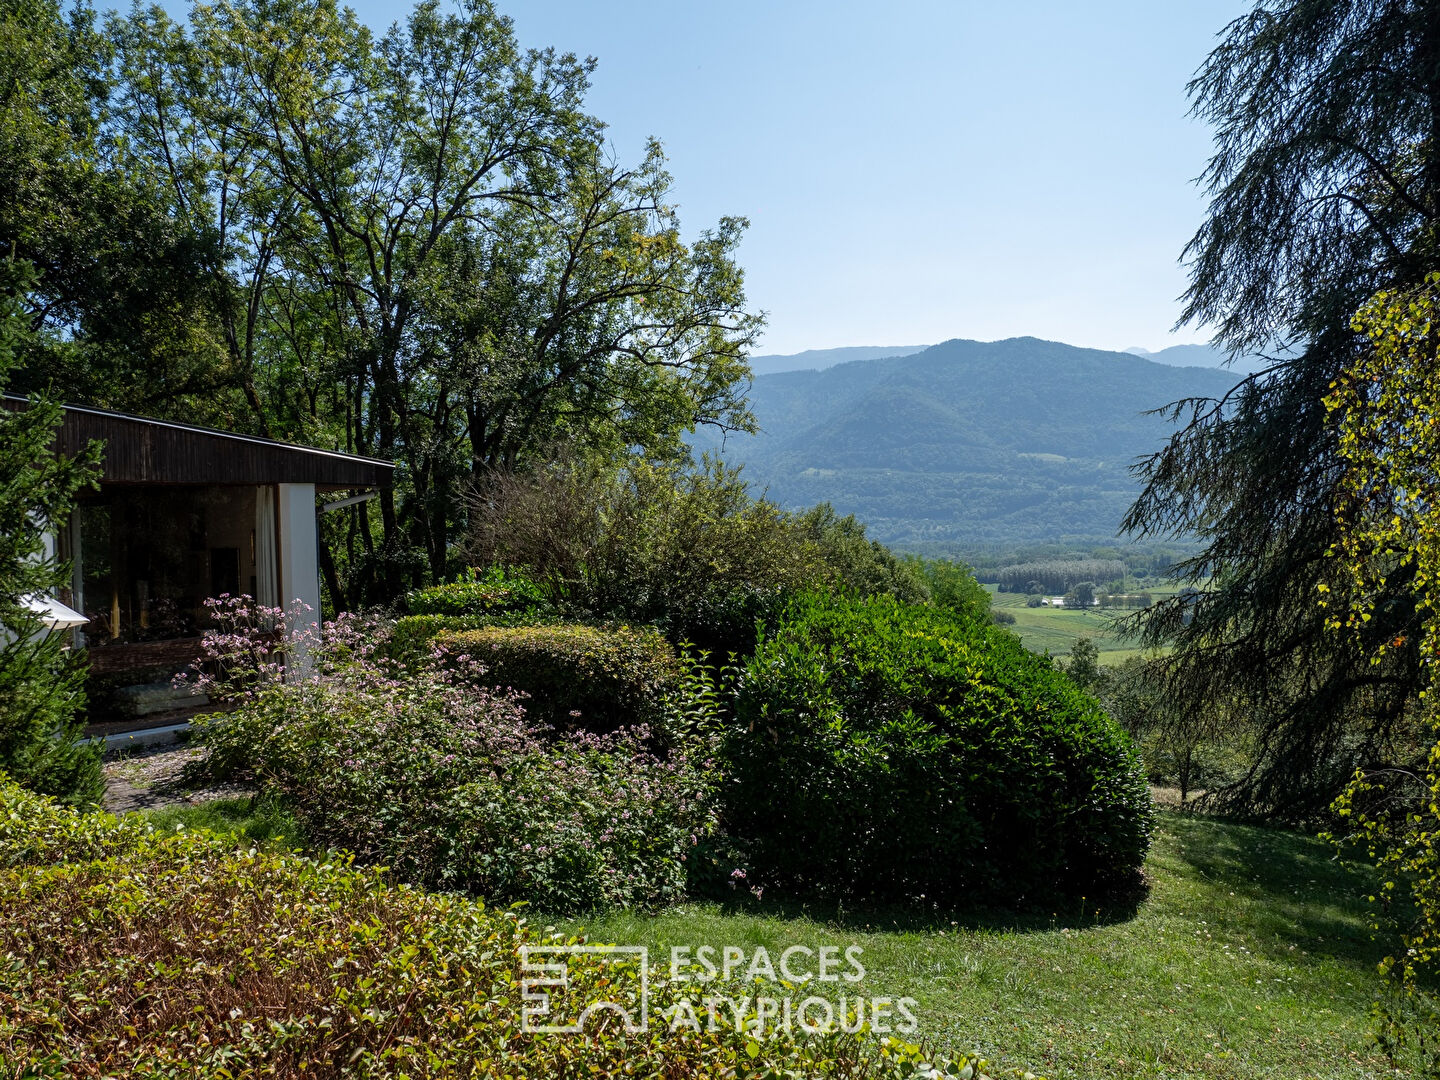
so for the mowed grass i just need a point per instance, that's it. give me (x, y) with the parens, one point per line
(1250, 958)
(1054, 630)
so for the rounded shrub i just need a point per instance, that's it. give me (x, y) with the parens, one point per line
(411, 636)
(596, 677)
(890, 750)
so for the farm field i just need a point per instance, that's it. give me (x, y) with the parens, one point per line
(1250, 959)
(1054, 630)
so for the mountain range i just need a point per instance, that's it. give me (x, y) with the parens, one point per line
(966, 443)
(818, 359)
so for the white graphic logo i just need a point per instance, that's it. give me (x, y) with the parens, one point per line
(545, 976)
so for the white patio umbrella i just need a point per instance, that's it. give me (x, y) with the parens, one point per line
(53, 614)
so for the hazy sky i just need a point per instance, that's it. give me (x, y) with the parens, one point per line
(919, 169)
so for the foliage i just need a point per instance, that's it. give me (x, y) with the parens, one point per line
(686, 548)
(1324, 188)
(427, 253)
(120, 297)
(573, 675)
(411, 636)
(854, 562)
(1185, 751)
(495, 592)
(1392, 815)
(451, 785)
(1389, 529)
(147, 954)
(1084, 665)
(41, 684)
(1082, 595)
(257, 820)
(891, 750)
(952, 586)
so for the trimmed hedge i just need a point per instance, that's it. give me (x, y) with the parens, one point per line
(596, 677)
(495, 592)
(411, 635)
(141, 954)
(891, 750)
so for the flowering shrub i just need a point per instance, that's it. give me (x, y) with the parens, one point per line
(140, 954)
(601, 678)
(450, 784)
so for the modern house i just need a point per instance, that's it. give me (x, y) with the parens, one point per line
(185, 513)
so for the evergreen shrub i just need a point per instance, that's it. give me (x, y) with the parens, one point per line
(138, 953)
(892, 750)
(575, 675)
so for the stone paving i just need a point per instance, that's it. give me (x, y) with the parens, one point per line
(154, 777)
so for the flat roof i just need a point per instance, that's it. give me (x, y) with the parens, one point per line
(147, 450)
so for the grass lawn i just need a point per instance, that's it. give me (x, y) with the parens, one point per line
(1249, 959)
(1054, 630)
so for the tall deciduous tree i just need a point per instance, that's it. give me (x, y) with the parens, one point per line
(1386, 405)
(1325, 188)
(427, 254)
(118, 278)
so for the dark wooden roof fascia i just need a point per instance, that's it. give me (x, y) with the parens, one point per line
(144, 450)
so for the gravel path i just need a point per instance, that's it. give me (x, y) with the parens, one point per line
(149, 779)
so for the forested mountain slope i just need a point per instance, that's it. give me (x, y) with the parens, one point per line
(967, 442)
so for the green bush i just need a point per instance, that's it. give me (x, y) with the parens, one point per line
(495, 592)
(689, 550)
(133, 952)
(952, 586)
(454, 786)
(856, 564)
(889, 750)
(597, 677)
(411, 636)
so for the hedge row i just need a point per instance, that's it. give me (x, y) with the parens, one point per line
(497, 591)
(131, 953)
(597, 677)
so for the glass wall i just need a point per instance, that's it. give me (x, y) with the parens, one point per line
(146, 558)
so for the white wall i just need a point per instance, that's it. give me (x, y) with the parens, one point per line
(299, 564)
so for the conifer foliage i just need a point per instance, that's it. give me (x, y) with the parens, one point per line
(40, 684)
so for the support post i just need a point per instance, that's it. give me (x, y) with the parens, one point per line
(299, 568)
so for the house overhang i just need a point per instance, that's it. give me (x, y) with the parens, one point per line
(143, 450)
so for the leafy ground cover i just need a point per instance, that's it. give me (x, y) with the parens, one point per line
(133, 952)
(1250, 959)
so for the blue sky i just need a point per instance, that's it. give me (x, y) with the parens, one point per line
(922, 169)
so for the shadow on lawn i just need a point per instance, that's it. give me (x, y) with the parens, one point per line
(925, 914)
(1299, 894)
